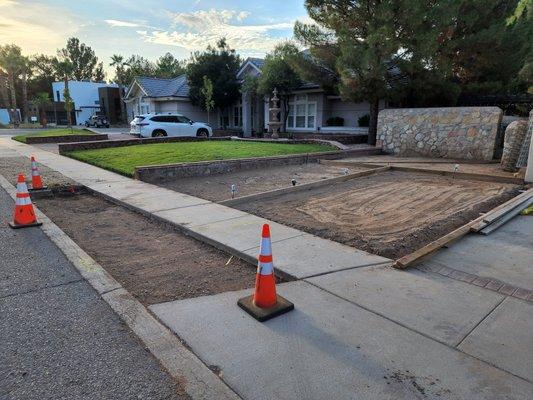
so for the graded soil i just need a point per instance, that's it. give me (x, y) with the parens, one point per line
(154, 262)
(390, 214)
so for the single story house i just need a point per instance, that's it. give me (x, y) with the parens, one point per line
(156, 95)
(311, 109)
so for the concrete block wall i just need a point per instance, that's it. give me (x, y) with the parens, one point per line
(451, 132)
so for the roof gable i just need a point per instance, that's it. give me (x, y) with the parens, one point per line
(160, 87)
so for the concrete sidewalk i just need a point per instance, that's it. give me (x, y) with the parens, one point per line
(58, 338)
(226, 228)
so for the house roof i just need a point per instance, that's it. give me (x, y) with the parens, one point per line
(160, 87)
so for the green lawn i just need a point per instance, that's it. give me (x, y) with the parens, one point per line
(52, 132)
(124, 159)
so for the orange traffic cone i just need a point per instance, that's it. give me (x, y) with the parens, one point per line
(24, 215)
(36, 182)
(265, 304)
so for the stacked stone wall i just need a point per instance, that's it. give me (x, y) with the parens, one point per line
(455, 132)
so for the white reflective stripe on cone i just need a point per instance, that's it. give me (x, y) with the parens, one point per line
(22, 188)
(265, 268)
(23, 201)
(34, 173)
(266, 247)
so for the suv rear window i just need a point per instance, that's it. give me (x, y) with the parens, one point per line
(137, 119)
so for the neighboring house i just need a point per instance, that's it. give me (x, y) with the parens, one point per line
(310, 107)
(84, 95)
(5, 118)
(156, 95)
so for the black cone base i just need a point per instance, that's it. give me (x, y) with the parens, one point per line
(264, 314)
(17, 226)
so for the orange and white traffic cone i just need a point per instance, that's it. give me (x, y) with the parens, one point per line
(265, 304)
(24, 215)
(36, 182)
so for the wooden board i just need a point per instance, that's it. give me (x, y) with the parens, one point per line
(449, 238)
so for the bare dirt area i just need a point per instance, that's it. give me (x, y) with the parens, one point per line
(10, 167)
(218, 187)
(151, 260)
(390, 214)
(438, 164)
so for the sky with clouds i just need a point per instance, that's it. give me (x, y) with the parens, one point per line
(148, 27)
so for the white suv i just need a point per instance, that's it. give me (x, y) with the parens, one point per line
(159, 125)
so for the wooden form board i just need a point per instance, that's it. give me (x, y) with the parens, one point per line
(474, 225)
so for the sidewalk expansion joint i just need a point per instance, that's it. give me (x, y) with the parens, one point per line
(417, 332)
(377, 264)
(481, 321)
(41, 289)
(274, 241)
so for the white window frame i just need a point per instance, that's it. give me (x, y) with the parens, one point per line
(236, 108)
(299, 100)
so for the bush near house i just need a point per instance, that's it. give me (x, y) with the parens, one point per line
(364, 121)
(123, 160)
(335, 121)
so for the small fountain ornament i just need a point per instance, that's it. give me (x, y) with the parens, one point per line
(274, 123)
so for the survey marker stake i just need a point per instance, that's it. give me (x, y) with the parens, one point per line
(265, 304)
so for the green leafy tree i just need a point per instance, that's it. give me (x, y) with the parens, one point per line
(277, 73)
(367, 50)
(167, 66)
(521, 23)
(42, 100)
(99, 73)
(136, 65)
(12, 62)
(220, 64)
(83, 60)
(207, 93)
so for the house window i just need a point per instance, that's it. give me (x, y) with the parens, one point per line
(144, 108)
(237, 115)
(302, 113)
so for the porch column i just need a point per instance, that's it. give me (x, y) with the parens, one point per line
(246, 115)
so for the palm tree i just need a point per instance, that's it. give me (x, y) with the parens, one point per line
(118, 62)
(64, 68)
(42, 100)
(12, 61)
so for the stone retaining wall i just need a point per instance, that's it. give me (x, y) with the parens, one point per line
(65, 148)
(455, 132)
(65, 138)
(514, 138)
(161, 173)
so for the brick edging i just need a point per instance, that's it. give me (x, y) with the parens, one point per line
(494, 285)
(66, 138)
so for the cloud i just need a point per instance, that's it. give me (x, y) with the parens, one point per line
(23, 24)
(116, 23)
(197, 30)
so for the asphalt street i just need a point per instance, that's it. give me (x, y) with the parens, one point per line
(59, 339)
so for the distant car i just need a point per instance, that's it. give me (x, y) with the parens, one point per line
(159, 125)
(97, 121)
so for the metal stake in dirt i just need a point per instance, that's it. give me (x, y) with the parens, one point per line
(455, 169)
(233, 190)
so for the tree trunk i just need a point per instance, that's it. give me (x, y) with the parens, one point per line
(123, 116)
(25, 96)
(285, 113)
(68, 107)
(14, 114)
(42, 112)
(373, 125)
(3, 91)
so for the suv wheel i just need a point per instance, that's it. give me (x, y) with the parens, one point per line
(159, 133)
(202, 133)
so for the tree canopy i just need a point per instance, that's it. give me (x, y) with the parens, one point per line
(84, 62)
(220, 65)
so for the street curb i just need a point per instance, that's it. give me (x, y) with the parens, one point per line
(198, 381)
